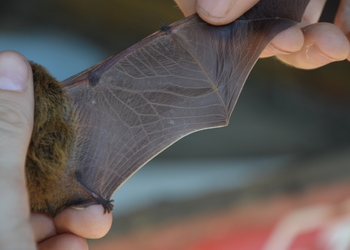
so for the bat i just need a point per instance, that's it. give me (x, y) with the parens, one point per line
(97, 128)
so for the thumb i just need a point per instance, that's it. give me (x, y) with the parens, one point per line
(221, 12)
(16, 121)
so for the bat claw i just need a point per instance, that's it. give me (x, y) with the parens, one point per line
(107, 205)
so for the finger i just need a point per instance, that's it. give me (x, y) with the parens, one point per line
(16, 121)
(324, 43)
(16, 108)
(313, 12)
(292, 40)
(286, 42)
(43, 227)
(342, 19)
(64, 241)
(188, 7)
(221, 12)
(90, 222)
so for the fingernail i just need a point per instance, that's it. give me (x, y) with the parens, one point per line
(13, 72)
(315, 55)
(78, 208)
(218, 8)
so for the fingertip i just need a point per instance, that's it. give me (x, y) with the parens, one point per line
(323, 43)
(90, 222)
(224, 11)
(342, 20)
(313, 12)
(330, 40)
(14, 71)
(286, 42)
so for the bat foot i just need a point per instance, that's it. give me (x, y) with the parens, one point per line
(107, 205)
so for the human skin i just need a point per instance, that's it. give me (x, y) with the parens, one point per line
(19, 229)
(307, 46)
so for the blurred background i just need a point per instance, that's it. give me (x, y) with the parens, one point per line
(278, 173)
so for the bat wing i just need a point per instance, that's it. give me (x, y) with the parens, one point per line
(184, 78)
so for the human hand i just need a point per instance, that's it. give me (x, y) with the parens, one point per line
(70, 227)
(309, 45)
(18, 228)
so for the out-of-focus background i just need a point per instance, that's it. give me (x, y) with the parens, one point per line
(276, 177)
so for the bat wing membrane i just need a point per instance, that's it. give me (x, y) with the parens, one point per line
(173, 83)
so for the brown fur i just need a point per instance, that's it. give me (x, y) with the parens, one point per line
(51, 175)
(50, 185)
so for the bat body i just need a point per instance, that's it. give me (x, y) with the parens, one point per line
(97, 128)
